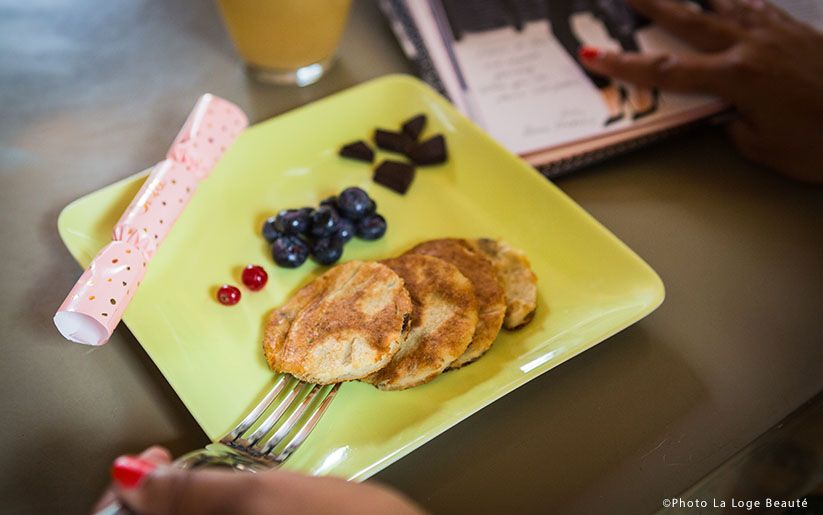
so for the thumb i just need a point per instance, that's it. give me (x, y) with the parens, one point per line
(165, 489)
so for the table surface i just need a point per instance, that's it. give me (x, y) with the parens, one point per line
(91, 92)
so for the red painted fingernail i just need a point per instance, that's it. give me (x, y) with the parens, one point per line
(129, 471)
(588, 53)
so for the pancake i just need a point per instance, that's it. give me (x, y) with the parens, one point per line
(491, 302)
(516, 276)
(444, 316)
(346, 324)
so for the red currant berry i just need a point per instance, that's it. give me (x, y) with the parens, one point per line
(228, 295)
(254, 277)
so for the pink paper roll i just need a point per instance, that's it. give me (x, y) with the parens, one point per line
(211, 127)
(152, 213)
(96, 304)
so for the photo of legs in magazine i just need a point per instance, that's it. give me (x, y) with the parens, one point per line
(621, 24)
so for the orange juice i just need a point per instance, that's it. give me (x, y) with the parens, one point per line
(284, 36)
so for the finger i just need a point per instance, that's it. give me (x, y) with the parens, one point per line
(155, 455)
(703, 30)
(698, 73)
(752, 14)
(748, 13)
(173, 491)
(170, 490)
(777, 13)
(723, 8)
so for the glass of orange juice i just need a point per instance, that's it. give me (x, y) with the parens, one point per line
(286, 41)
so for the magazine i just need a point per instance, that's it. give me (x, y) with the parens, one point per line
(511, 66)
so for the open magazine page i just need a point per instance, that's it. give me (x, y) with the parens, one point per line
(511, 66)
(524, 82)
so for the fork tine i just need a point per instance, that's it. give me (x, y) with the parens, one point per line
(290, 422)
(274, 416)
(255, 413)
(308, 425)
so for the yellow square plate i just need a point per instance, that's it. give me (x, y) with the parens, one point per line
(590, 284)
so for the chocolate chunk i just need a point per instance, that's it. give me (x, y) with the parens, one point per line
(358, 150)
(430, 152)
(394, 175)
(394, 141)
(414, 126)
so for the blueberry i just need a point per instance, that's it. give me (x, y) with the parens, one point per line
(372, 227)
(270, 231)
(292, 221)
(280, 222)
(345, 231)
(329, 201)
(355, 203)
(323, 222)
(289, 251)
(326, 251)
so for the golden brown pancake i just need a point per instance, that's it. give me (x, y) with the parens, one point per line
(516, 276)
(491, 303)
(346, 324)
(444, 317)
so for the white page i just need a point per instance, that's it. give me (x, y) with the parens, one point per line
(529, 93)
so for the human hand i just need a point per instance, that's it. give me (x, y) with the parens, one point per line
(766, 64)
(146, 484)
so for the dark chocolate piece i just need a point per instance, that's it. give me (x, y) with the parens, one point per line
(358, 150)
(430, 152)
(393, 141)
(394, 175)
(413, 127)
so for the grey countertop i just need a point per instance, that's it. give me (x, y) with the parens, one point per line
(93, 91)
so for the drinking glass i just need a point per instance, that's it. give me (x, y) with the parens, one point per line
(286, 41)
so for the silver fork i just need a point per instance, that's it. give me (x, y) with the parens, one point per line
(291, 407)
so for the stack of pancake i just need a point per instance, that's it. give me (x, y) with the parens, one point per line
(401, 322)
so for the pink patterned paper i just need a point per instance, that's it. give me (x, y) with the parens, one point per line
(96, 304)
(151, 214)
(209, 130)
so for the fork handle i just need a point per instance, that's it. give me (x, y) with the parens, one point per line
(222, 456)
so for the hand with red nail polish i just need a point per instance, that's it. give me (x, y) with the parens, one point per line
(126, 471)
(766, 64)
(147, 484)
